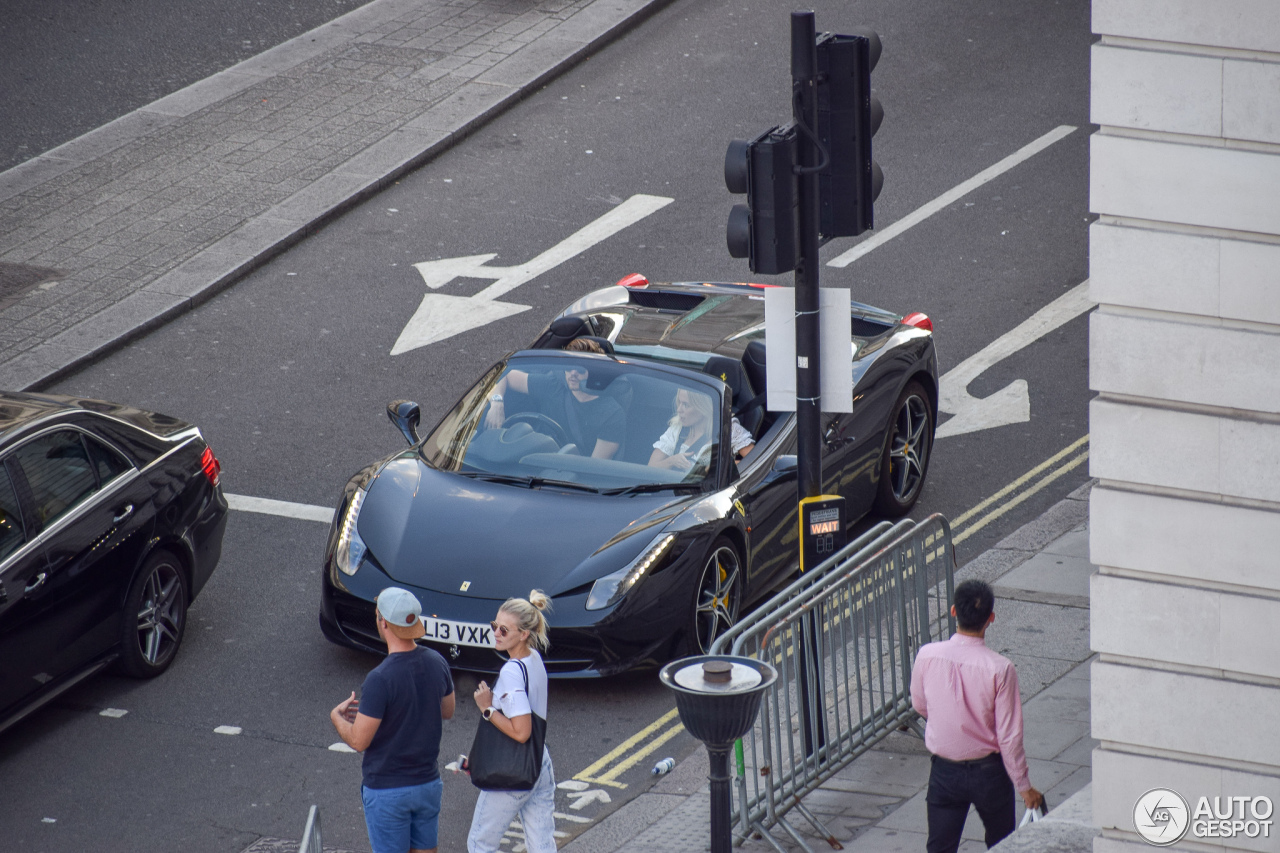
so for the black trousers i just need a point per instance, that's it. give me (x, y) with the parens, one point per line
(956, 785)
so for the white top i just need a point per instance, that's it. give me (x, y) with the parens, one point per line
(738, 437)
(509, 696)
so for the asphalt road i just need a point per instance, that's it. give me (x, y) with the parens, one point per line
(288, 373)
(69, 66)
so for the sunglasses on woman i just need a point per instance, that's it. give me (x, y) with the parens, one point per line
(500, 630)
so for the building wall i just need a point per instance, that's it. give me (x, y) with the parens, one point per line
(1185, 430)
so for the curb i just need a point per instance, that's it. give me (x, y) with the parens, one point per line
(262, 238)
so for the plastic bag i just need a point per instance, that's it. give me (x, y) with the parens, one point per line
(1032, 815)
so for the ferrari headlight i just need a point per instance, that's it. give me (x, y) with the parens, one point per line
(351, 548)
(612, 587)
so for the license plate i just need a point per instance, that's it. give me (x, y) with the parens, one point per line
(457, 633)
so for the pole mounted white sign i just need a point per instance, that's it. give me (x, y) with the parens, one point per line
(443, 315)
(780, 343)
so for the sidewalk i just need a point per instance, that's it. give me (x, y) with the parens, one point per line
(876, 805)
(125, 227)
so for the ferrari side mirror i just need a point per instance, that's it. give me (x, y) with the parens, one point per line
(405, 414)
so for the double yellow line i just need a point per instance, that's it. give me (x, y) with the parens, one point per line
(645, 742)
(971, 521)
(620, 759)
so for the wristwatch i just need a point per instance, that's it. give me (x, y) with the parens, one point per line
(487, 712)
(495, 398)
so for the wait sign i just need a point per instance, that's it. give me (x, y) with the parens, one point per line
(822, 530)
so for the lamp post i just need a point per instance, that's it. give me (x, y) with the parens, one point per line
(718, 697)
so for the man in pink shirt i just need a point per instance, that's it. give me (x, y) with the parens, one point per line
(969, 696)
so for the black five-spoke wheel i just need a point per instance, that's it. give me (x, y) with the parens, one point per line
(906, 452)
(719, 595)
(154, 618)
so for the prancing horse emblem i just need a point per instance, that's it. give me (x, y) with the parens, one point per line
(466, 585)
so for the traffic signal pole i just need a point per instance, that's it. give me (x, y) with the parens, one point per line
(804, 88)
(804, 105)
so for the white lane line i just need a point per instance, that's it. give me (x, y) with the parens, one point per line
(951, 196)
(227, 730)
(267, 506)
(115, 713)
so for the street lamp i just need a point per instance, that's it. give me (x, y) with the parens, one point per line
(718, 697)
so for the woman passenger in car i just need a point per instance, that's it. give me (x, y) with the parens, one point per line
(689, 433)
(591, 420)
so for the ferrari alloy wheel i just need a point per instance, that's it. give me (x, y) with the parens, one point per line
(906, 452)
(154, 618)
(719, 596)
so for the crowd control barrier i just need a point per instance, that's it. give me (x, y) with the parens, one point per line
(311, 842)
(843, 638)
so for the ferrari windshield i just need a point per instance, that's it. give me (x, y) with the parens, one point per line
(581, 421)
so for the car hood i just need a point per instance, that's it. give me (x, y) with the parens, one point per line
(444, 532)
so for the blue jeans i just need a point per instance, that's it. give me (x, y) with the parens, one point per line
(496, 809)
(403, 819)
(954, 786)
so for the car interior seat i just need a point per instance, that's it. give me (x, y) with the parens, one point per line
(565, 329)
(732, 373)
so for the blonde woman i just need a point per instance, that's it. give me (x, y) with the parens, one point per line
(689, 433)
(519, 630)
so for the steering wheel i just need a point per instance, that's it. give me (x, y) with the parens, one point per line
(536, 419)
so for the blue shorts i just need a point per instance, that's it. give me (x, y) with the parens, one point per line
(401, 819)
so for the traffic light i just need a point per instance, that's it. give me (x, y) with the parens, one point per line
(847, 119)
(764, 230)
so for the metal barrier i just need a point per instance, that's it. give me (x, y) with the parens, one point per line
(311, 834)
(843, 639)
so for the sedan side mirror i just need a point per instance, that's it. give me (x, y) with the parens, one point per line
(405, 414)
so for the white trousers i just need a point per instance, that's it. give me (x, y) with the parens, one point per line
(496, 809)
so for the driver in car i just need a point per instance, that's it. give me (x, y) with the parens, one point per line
(590, 420)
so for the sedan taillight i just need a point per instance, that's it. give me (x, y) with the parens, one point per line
(211, 466)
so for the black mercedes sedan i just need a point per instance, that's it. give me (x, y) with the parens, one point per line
(639, 480)
(111, 521)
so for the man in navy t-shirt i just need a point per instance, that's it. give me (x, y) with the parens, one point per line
(397, 723)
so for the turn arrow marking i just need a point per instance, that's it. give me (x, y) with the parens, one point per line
(1011, 404)
(441, 316)
(582, 799)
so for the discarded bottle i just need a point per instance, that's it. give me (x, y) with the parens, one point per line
(664, 766)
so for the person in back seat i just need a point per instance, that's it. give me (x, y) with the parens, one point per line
(689, 433)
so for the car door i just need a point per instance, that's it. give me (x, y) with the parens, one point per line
(86, 499)
(22, 570)
(769, 498)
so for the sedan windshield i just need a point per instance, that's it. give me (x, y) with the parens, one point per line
(583, 421)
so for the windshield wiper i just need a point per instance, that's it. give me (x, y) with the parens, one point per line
(650, 487)
(565, 484)
(527, 482)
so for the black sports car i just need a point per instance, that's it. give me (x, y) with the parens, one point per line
(111, 521)
(647, 489)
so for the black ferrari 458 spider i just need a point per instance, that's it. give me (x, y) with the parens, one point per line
(646, 487)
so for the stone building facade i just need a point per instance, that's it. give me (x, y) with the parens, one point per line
(1185, 430)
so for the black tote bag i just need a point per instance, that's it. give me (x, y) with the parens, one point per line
(501, 763)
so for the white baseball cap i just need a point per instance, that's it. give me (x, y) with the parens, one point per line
(403, 612)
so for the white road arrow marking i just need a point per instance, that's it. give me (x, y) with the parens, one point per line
(441, 316)
(581, 799)
(1011, 404)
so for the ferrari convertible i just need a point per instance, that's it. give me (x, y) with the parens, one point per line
(638, 479)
